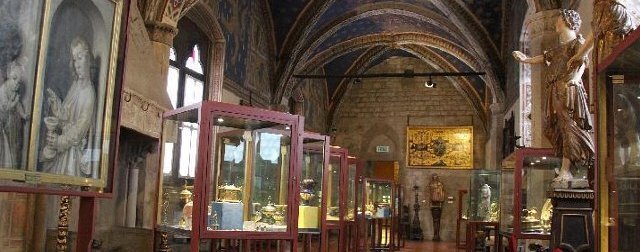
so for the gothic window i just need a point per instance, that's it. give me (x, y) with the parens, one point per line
(186, 85)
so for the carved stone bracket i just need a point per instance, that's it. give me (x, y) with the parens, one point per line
(141, 114)
(161, 17)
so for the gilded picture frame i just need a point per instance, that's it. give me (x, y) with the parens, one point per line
(440, 147)
(68, 104)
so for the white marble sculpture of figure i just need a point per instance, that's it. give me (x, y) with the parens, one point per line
(484, 205)
(11, 115)
(567, 117)
(75, 117)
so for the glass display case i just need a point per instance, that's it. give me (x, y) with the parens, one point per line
(337, 189)
(379, 207)
(618, 101)
(483, 209)
(315, 162)
(484, 196)
(530, 220)
(229, 172)
(354, 178)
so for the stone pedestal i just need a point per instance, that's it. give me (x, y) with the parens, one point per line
(572, 221)
(436, 213)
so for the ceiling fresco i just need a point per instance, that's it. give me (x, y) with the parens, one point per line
(384, 23)
(285, 13)
(338, 21)
(340, 66)
(342, 7)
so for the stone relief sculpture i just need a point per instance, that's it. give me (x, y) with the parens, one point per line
(611, 23)
(567, 118)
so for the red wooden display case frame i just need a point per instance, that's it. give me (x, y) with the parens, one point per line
(339, 225)
(351, 227)
(517, 234)
(206, 112)
(363, 221)
(323, 204)
(604, 126)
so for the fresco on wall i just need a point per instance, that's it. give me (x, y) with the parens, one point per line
(260, 59)
(248, 57)
(315, 104)
(233, 17)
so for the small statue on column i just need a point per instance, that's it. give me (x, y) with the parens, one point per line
(436, 193)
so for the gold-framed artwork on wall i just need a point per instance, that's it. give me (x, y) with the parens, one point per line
(440, 147)
(57, 90)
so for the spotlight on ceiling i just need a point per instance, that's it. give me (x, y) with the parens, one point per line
(429, 83)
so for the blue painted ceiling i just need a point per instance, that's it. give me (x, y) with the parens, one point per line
(286, 14)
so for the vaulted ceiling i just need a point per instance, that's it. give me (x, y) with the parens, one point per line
(350, 36)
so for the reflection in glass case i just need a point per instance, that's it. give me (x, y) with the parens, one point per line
(226, 171)
(179, 155)
(377, 198)
(529, 221)
(619, 92)
(249, 189)
(315, 149)
(337, 166)
(484, 196)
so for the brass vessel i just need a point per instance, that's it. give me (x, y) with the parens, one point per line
(229, 193)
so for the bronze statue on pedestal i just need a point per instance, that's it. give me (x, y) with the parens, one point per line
(436, 193)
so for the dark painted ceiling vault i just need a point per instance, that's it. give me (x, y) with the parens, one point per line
(351, 36)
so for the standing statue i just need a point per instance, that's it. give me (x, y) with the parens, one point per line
(436, 190)
(436, 194)
(484, 204)
(611, 23)
(567, 119)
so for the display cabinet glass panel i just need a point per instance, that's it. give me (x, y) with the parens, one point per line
(249, 188)
(315, 149)
(229, 172)
(619, 140)
(179, 162)
(352, 185)
(378, 198)
(530, 219)
(377, 224)
(337, 166)
(507, 199)
(484, 196)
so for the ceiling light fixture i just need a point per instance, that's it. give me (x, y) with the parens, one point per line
(429, 83)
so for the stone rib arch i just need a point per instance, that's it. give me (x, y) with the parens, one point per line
(400, 40)
(370, 10)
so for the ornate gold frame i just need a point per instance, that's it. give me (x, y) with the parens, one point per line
(440, 147)
(31, 175)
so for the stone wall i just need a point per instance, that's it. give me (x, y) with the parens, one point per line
(377, 112)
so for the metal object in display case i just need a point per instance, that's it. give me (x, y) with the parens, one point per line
(533, 174)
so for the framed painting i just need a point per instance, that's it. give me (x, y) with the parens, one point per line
(63, 136)
(440, 147)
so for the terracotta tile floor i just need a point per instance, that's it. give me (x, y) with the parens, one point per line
(426, 246)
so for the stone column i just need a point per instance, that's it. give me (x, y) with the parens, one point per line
(132, 190)
(541, 33)
(493, 153)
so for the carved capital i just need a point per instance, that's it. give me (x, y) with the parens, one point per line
(542, 23)
(161, 17)
(161, 32)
